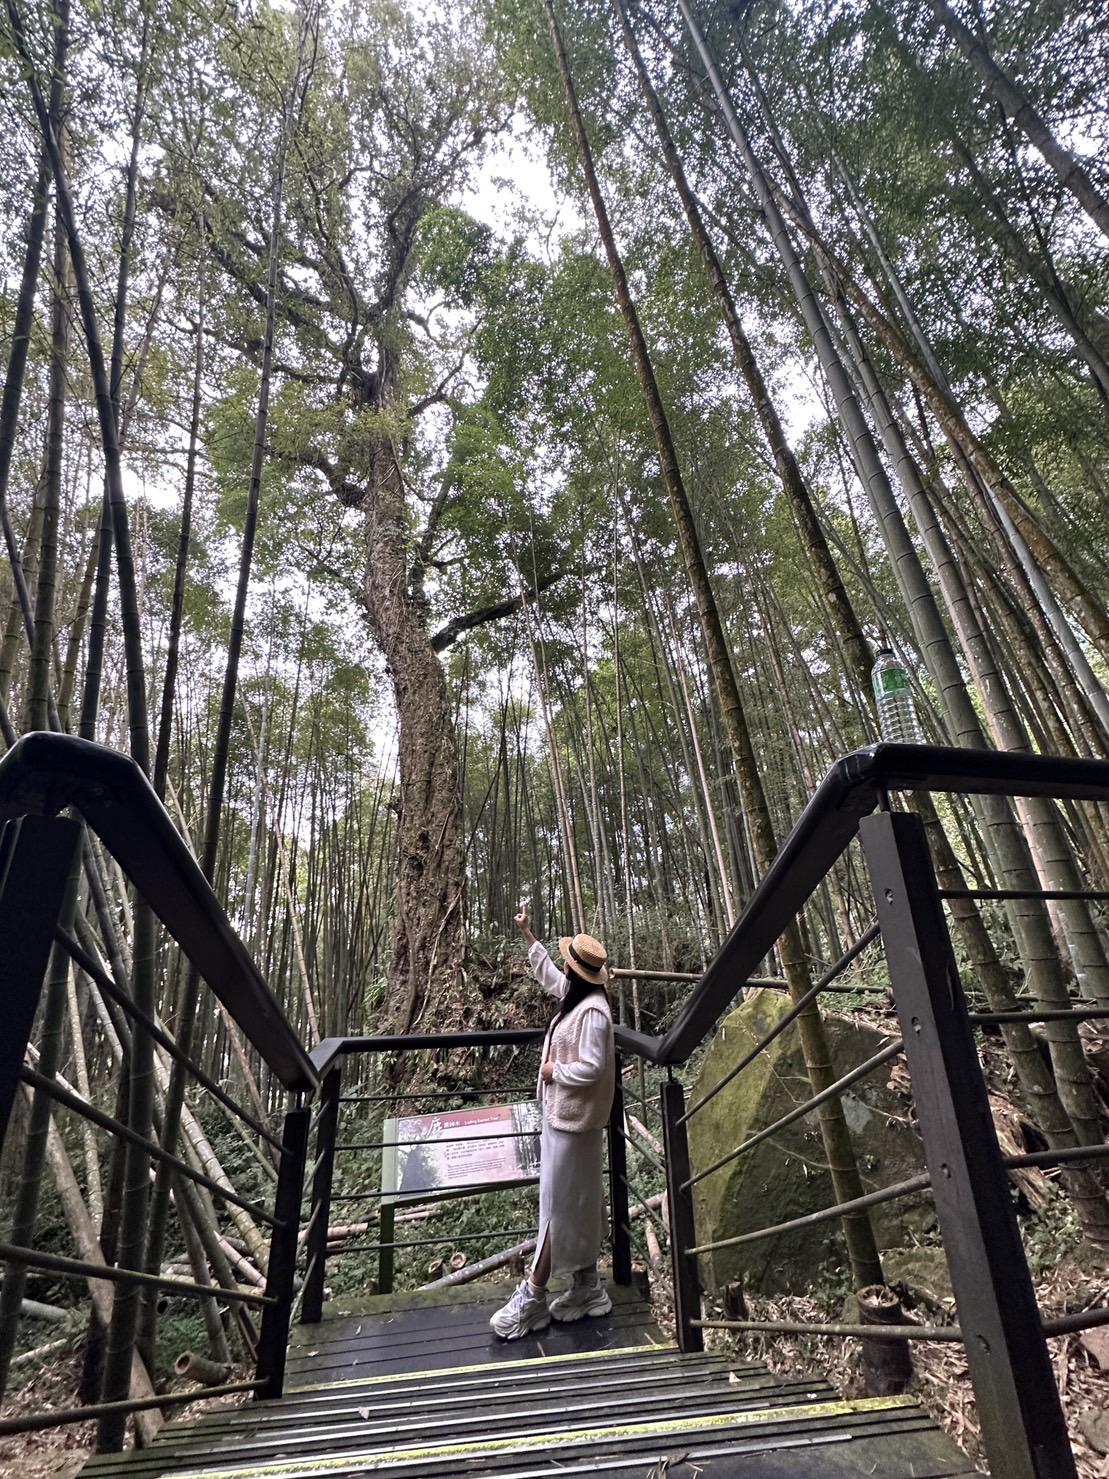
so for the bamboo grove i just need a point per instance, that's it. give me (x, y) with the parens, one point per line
(473, 453)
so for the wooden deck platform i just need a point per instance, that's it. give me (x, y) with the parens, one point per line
(425, 1330)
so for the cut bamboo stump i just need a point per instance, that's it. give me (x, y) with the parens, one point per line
(191, 1367)
(887, 1364)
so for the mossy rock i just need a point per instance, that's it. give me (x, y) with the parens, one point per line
(786, 1176)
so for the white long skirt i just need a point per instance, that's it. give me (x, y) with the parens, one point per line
(571, 1197)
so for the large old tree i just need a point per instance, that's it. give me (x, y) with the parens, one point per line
(395, 122)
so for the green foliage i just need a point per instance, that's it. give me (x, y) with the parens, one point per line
(1051, 1235)
(456, 252)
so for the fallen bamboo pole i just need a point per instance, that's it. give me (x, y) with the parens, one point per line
(484, 1266)
(520, 1250)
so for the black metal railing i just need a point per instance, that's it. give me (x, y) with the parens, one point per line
(1023, 1429)
(999, 1323)
(358, 1096)
(639, 1160)
(43, 857)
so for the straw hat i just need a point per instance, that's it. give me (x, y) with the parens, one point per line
(586, 956)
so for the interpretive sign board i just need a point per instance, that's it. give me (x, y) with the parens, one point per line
(460, 1150)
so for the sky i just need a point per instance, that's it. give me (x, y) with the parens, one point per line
(514, 177)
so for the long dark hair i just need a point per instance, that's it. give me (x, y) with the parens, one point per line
(577, 990)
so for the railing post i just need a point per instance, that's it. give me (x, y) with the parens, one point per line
(387, 1250)
(274, 1338)
(1023, 1428)
(327, 1127)
(36, 859)
(618, 1187)
(679, 1200)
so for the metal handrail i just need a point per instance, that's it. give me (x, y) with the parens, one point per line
(327, 1052)
(43, 773)
(854, 787)
(1001, 1327)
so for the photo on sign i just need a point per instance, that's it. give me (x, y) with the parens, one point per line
(462, 1149)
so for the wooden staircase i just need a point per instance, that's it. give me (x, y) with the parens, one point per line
(601, 1397)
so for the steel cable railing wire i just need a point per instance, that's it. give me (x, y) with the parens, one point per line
(891, 1050)
(61, 1417)
(831, 1213)
(998, 1019)
(325, 1053)
(987, 894)
(645, 1153)
(1058, 1325)
(87, 1111)
(430, 1096)
(104, 982)
(645, 1203)
(780, 1026)
(439, 1140)
(449, 1239)
(76, 1268)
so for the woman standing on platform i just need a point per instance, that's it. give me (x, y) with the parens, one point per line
(576, 1085)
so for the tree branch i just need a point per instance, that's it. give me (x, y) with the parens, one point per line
(454, 628)
(348, 493)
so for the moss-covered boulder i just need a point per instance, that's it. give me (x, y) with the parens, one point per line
(786, 1175)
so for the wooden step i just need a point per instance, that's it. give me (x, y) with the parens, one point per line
(572, 1401)
(891, 1437)
(565, 1401)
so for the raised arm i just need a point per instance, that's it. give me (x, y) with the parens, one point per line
(523, 925)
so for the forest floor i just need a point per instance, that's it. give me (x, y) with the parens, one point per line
(942, 1381)
(60, 1453)
(57, 1453)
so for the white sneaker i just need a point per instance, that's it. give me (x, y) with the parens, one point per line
(522, 1313)
(581, 1299)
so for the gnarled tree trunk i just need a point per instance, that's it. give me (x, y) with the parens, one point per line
(428, 943)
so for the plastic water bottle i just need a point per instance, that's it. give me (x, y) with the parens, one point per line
(897, 718)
